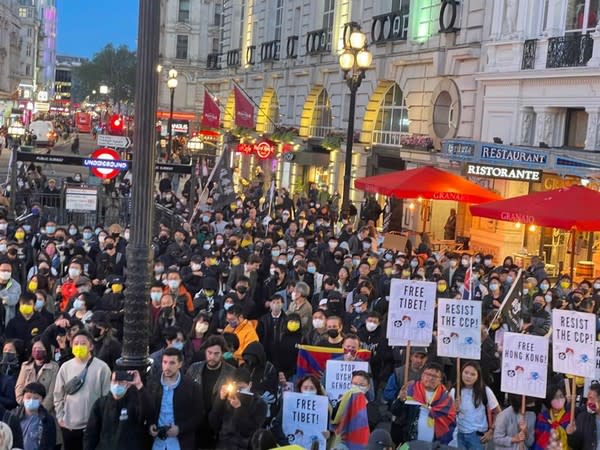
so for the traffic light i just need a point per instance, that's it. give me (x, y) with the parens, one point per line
(115, 125)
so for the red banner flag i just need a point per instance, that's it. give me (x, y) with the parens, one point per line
(211, 114)
(244, 110)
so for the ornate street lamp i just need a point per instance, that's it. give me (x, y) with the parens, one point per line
(16, 131)
(171, 84)
(354, 61)
(195, 145)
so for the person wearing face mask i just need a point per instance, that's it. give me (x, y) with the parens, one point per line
(357, 318)
(513, 430)
(242, 328)
(192, 275)
(453, 269)
(263, 375)
(318, 331)
(170, 316)
(334, 334)
(117, 420)
(286, 351)
(10, 290)
(541, 319)
(583, 433)
(28, 323)
(106, 346)
(180, 294)
(553, 419)
(564, 286)
(38, 426)
(493, 299)
(373, 337)
(41, 369)
(73, 408)
(208, 300)
(300, 304)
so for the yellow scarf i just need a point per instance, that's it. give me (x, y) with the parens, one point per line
(560, 431)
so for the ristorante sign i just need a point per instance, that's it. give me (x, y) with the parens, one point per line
(503, 173)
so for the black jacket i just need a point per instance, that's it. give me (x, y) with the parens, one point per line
(48, 438)
(264, 375)
(20, 328)
(584, 438)
(12, 421)
(236, 426)
(188, 409)
(270, 331)
(195, 373)
(108, 428)
(108, 349)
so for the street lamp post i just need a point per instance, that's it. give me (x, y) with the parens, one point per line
(195, 146)
(139, 250)
(16, 131)
(171, 84)
(354, 61)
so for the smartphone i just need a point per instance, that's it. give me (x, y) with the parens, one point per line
(122, 375)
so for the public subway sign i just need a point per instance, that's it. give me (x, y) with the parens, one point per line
(503, 173)
(501, 153)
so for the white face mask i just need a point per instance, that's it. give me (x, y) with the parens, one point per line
(201, 327)
(362, 389)
(5, 276)
(195, 267)
(318, 323)
(174, 284)
(309, 391)
(371, 326)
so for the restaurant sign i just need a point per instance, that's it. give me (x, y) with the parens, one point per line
(503, 173)
(506, 154)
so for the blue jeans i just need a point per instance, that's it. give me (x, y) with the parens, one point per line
(469, 441)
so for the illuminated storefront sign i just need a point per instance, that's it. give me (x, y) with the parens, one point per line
(503, 173)
(263, 149)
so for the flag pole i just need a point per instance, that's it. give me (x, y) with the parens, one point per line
(573, 398)
(406, 362)
(458, 380)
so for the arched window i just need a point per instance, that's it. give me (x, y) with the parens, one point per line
(321, 124)
(392, 118)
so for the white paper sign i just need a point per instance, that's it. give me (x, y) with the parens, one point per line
(459, 328)
(411, 309)
(305, 417)
(596, 378)
(338, 377)
(574, 343)
(524, 364)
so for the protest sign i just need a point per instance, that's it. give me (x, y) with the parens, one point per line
(459, 333)
(338, 376)
(573, 343)
(524, 364)
(305, 417)
(410, 316)
(596, 378)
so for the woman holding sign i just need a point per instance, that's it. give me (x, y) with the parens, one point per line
(555, 417)
(476, 411)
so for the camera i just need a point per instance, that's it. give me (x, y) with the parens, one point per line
(162, 432)
(123, 375)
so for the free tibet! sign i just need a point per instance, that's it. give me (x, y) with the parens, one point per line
(503, 173)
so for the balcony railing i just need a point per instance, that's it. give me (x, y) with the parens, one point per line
(233, 58)
(388, 137)
(213, 61)
(529, 48)
(291, 50)
(390, 27)
(319, 131)
(318, 41)
(269, 51)
(569, 51)
(250, 54)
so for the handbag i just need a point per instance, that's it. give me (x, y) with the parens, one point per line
(76, 383)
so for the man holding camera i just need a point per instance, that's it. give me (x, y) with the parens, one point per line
(79, 383)
(117, 420)
(176, 406)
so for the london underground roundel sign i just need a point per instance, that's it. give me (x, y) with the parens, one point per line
(107, 154)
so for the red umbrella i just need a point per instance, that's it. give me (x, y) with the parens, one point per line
(573, 208)
(426, 182)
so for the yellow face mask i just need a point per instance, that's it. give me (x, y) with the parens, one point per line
(442, 287)
(235, 261)
(19, 235)
(246, 243)
(26, 310)
(388, 271)
(116, 288)
(80, 351)
(293, 326)
(212, 261)
(32, 286)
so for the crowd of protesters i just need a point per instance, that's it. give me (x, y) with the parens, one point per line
(232, 297)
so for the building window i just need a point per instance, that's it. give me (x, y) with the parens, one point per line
(28, 50)
(184, 11)
(328, 14)
(22, 12)
(392, 118)
(576, 128)
(29, 32)
(322, 116)
(442, 114)
(582, 15)
(181, 51)
(28, 70)
(218, 14)
(278, 19)
(215, 45)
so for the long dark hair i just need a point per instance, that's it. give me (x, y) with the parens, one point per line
(479, 386)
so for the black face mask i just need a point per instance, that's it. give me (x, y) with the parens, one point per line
(333, 333)
(167, 311)
(95, 332)
(250, 361)
(109, 246)
(242, 289)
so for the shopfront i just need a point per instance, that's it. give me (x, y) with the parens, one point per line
(513, 171)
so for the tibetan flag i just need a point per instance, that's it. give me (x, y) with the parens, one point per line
(244, 109)
(313, 359)
(211, 114)
(351, 421)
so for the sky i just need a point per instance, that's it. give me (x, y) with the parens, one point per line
(86, 26)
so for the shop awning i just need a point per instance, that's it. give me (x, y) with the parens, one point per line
(571, 208)
(428, 183)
